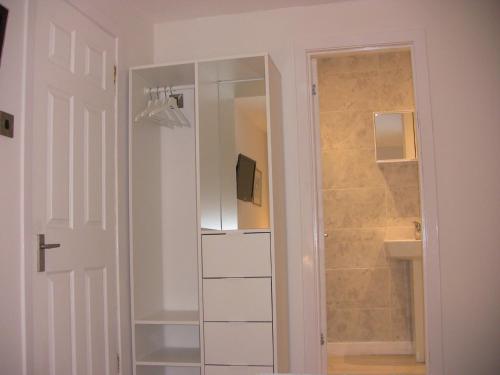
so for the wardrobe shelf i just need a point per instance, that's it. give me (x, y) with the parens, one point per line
(171, 317)
(176, 357)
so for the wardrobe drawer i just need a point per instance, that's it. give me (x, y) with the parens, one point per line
(236, 255)
(237, 370)
(238, 343)
(246, 299)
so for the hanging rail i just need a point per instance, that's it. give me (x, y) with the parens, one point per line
(159, 89)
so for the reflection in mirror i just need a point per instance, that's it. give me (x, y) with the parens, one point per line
(394, 136)
(251, 141)
(233, 127)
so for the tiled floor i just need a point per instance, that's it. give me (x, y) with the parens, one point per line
(375, 365)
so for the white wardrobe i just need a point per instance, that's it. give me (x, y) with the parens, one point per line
(207, 247)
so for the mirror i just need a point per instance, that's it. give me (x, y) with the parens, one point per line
(234, 187)
(395, 138)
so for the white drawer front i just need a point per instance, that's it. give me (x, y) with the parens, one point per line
(236, 255)
(237, 300)
(238, 344)
(237, 370)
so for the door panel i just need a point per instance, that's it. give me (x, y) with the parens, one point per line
(61, 322)
(74, 300)
(60, 132)
(96, 322)
(95, 166)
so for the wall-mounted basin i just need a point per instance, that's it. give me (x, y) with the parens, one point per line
(411, 250)
(404, 249)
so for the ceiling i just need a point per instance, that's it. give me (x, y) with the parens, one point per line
(171, 10)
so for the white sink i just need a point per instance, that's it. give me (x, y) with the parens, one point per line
(404, 249)
(411, 250)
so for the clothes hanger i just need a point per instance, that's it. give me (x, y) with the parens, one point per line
(157, 102)
(145, 111)
(181, 118)
(169, 110)
(163, 110)
(174, 107)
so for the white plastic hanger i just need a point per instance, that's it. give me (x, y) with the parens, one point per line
(163, 110)
(179, 114)
(145, 111)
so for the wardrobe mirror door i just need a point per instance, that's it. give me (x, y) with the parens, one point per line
(234, 187)
(251, 154)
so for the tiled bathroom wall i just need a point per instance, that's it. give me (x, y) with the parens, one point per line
(368, 295)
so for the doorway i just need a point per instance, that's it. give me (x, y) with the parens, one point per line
(369, 211)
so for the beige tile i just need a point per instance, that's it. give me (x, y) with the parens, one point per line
(351, 168)
(400, 284)
(400, 174)
(403, 206)
(332, 291)
(344, 129)
(400, 233)
(395, 60)
(354, 208)
(342, 325)
(348, 325)
(401, 325)
(375, 325)
(396, 90)
(362, 288)
(348, 63)
(350, 248)
(350, 92)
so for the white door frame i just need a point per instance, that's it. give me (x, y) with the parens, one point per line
(308, 148)
(28, 259)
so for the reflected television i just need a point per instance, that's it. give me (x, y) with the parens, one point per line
(245, 175)
(4, 12)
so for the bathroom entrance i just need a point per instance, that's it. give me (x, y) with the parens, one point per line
(370, 211)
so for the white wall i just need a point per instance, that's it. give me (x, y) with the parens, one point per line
(135, 47)
(464, 59)
(11, 84)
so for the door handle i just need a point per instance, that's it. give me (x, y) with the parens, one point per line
(42, 246)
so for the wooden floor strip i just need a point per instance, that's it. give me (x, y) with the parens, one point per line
(375, 365)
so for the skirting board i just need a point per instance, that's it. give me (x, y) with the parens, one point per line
(370, 348)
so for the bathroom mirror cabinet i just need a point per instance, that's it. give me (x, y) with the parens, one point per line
(394, 136)
(207, 246)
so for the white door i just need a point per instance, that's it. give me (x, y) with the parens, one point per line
(74, 298)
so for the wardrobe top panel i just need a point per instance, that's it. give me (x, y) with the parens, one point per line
(169, 75)
(243, 68)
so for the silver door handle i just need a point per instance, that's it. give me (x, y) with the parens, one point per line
(42, 246)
